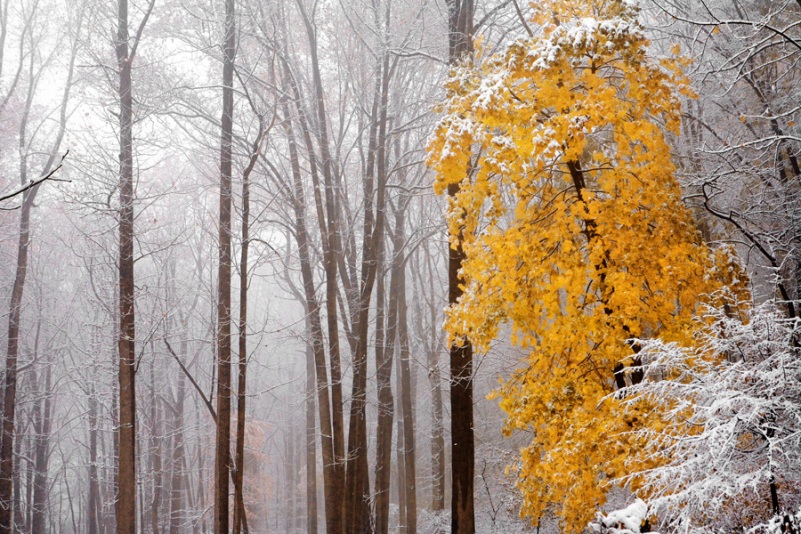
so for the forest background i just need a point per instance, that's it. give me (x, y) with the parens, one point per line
(239, 217)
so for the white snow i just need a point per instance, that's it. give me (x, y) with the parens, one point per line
(582, 36)
(625, 521)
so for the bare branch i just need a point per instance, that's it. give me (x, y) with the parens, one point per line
(33, 183)
(197, 387)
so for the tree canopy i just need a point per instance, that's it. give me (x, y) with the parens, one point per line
(575, 234)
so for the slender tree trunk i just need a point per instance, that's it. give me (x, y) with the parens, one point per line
(400, 458)
(331, 253)
(42, 455)
(111, 478)
(36, 416)
(289, 473)
(93, 502)
(357, 486)
(437, 438)
(239, 459)
(23, 244)
(222, 465)
(126, 467)
(460, 25)
(332, 485)
(383, 364)
(311, 449)
(178, 453)
(156, 416)
(18, 488)
(435, 383)
(14, 317)
(240, 518)
(357, 497)
(201, 493)
(407, 394)
(25, 525)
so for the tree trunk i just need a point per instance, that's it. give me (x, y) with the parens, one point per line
(406, 392)
(126, 467)
(426, 285)
(460, 26)
(23, 244)
(42, 455)
(357, 497)
(289, 473)
(437, 438)
(25, 525)
(331, 252)
(177, 482)
(93, 502)
(311, 450)
(240, 518)
(383, 364)
(19, 518)
(357, 486)
(331, 479)
(400, 458)
(14, 317)
(156, 416)
(222, 464)
(239, 459)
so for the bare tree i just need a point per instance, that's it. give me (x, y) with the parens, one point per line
(126, 467)
(222, 459)
(29, 192)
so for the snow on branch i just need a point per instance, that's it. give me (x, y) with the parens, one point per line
(728, 448)
(33, 183)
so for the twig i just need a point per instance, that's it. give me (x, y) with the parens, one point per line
(195, 384)
(34, 183)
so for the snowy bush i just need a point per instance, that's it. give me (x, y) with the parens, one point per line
(780, 524)
(727, 445)
(628, 520)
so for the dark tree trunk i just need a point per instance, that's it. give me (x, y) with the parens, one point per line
(222, 464)
(126, 463)
(240, 517)
(239, 458)
(357, 486)
(331, 479)
(23, 245)
(357, 497)
(460, 26)
(14, 316)
(462, 441)
(331, 253)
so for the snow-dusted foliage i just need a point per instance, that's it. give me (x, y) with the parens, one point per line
(780, 524)
(728, 450)
(628, 520)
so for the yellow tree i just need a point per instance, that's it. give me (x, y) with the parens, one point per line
(574, 232)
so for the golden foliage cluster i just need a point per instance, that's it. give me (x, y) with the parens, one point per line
(574, 232)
